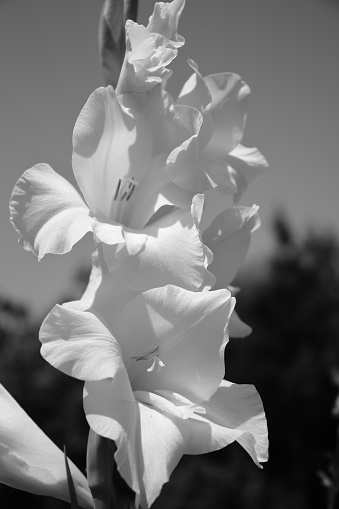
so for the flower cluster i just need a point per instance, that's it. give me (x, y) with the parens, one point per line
(160, 181)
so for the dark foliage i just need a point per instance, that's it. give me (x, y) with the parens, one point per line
(292, 357)
(53, 400)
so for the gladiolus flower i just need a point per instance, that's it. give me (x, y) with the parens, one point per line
(121, 172)
(223, 100)
(30, 461)
(155, 386)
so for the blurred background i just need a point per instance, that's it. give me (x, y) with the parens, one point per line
(286, 50)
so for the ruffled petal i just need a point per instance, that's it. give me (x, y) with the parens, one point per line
(163, 124)
(170, 131)
(146, 59)
(229, 237)
(48, 212)
(221, 176)
(149, 443)
(246, 164)
(171, 252)
(228, 110)
(108, 233)
(30, 461)
(186, 169)
(150, 50)
(78, 344)
(195, 92)
(185, 331)
(234, 412)
(215, 203)
(108, 156)
(165, 18)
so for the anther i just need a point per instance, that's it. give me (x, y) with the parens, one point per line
(117, 190)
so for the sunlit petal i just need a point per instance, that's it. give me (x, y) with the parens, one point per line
(171, 252)
(228, 110)
(186, 168)
(30, 461)
(195, 92)
(165, 18)
(229, 237)
(146, 59)
(234, 412)
(78, 344)
(246, 164)
(48, 212)
(107, 155)
(106, 295)
(187, 332)
(149, 443)
(162, 124)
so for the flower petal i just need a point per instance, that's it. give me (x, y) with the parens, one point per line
(221, 176)
(149, 443)
(234, 412)
(105, 295)
(146, 59)
(107, 152)
(173, 253)
(186, 168)
(78, 344)
(215, 203)
(168, 130)
(48, 212)
(164, 124)
(186, 331)
(229, 237)
(195, 92)
(30, 461)
(228, 110)
(165, 18)
(246, 165)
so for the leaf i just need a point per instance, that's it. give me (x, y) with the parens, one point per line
(71, 488)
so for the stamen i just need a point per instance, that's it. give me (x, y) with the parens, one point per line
(117, 190)
(131, 192)
(157, 364)
(125, 189)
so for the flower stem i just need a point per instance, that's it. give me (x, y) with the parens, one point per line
(100, 462)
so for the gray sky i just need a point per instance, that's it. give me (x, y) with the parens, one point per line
(286, 50)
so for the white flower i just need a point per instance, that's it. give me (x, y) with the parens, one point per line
(154, 382)
(223, 100)
(30, 461)
(120, 167)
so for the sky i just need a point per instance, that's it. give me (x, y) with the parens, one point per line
(286, 50)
